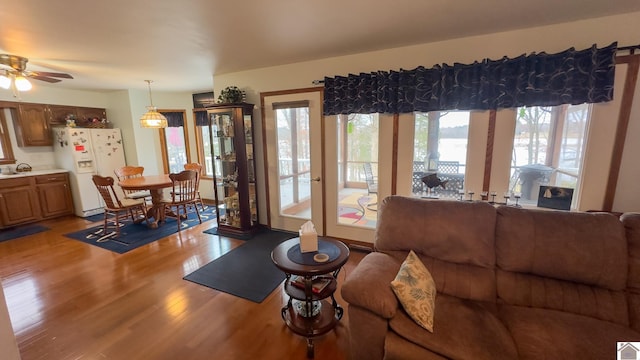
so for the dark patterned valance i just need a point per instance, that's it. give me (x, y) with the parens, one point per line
(174, 118)
(569, 77)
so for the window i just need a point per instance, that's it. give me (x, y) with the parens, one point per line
(6, 152)
(174, 142)
(203, 142)
(357, 145)
(357, 139)
(548, 148)
(440, 153)
(294, 157)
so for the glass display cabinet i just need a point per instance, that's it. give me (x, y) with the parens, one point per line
(234, 181)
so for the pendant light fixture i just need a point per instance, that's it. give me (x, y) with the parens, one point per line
(152, 118)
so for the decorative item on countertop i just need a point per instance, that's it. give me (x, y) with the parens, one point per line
(308, 237)
(23, 167)
(231, 95)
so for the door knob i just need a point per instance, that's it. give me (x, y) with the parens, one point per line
(317, 178)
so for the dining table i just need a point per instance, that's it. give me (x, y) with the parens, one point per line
(155, 185)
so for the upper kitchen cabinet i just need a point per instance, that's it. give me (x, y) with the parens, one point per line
(32, 122)
(32, 125)
(58, 114)
(86, 115)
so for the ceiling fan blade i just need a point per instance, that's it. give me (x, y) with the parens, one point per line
(44, 78)
(52, 74)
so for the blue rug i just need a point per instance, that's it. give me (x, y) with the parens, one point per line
(95, 218)
(247, 271)
(133, 236)
(20, 231)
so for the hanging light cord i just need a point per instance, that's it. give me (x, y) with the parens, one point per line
(149, 85)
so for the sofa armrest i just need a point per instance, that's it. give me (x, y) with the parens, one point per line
(369, 285)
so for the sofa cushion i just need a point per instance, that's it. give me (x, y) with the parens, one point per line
(455, 240)
(453, 231)
(575, 262)
(631, 222)
(463, 329)
(464, 281)
(416, 290)
(542, 292)
(368, 285)
(588, 248)
(551, 334)
(398, 348)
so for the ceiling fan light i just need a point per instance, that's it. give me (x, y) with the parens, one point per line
(22, 84)
(5, 81)
(153, 119)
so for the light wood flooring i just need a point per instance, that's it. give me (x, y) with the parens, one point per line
(70, 300)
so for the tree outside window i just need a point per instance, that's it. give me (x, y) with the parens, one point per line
(548, 148)
(357, 144)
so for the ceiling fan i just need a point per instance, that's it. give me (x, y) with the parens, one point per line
(17, 73)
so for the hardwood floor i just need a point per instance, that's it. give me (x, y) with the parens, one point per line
(70, 300)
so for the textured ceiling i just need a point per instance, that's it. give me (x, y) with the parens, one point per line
(116, 44)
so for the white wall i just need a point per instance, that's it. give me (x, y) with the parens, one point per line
(147, 141)
(555, 38)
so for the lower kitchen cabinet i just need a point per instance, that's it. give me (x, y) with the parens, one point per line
(54, 195)
(27, 199)
(18, 201)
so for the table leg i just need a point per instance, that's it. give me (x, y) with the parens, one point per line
(157, 208)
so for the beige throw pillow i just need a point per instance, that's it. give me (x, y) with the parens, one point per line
(416, 290)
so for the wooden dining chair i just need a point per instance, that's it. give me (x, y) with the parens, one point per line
(198, 168)
(114, 207)
(183, 196)
(127, 172)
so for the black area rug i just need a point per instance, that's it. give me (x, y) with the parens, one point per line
(20, 231)
(246, 271)
(133, 236)
(214, 231)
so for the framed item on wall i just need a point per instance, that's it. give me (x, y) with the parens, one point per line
(554, 197)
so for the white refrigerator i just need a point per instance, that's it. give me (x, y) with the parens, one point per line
(85, 152)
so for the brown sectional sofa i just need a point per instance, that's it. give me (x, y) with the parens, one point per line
(512, 283)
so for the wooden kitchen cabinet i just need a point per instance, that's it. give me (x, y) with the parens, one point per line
(32, 122)
(26, 199)
(86, 114)
(32, 125)
(18, 202)
(54, 195)
(58, 114)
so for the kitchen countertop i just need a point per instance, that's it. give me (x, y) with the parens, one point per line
(32, 173)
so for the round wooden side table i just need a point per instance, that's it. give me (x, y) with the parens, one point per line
(310, 284)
